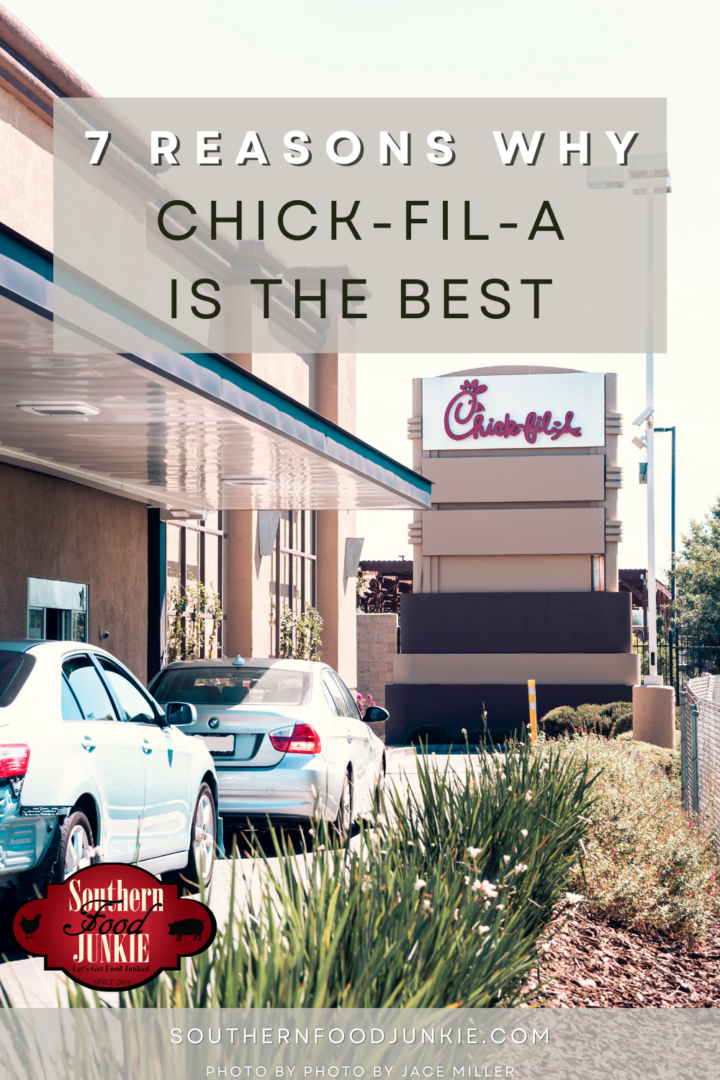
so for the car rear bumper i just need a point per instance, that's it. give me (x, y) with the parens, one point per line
(292, 789)
(24, 838)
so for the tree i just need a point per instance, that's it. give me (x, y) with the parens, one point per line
(697, 576)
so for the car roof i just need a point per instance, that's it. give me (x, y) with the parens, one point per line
(19, 645)
(62, 647)
(255, 661)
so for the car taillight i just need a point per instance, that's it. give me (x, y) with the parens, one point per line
(14, 760)
(300, 739)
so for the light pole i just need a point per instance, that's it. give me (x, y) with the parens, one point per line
(672, 513)
(673, 634)
(653, 171)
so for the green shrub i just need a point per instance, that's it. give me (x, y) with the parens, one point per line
(608, 719)
(560, 721)
(440, 903)
(647, 862)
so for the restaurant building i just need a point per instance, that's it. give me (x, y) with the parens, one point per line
(166, 503)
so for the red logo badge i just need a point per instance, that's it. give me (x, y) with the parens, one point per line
(113, 927)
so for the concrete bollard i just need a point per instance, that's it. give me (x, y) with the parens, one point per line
(654, 715)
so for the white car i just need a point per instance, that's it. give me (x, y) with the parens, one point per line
(91, 767)
(285, 735)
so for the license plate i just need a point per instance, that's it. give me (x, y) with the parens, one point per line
(219, 744)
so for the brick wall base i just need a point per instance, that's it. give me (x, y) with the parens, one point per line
(376, 647)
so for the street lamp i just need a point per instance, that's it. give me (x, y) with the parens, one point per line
(640, 443)
(672, 513)
(646, 173)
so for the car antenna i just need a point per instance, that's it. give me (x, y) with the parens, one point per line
(239, 662)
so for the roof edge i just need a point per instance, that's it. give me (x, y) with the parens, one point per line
(33, 52)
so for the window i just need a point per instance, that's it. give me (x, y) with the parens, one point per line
(331, 686)
(133, 703)
(194, 588)
(36, 623)
(329, 696)
(350, 703)
(14, 670)
(88, 689)
(57, 610)
(293, 575)
(223, 687)
(70, 708)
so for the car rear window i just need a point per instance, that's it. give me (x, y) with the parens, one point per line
(223, 686)
(14, 670)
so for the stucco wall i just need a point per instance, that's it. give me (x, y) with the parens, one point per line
(26, 187)
(376, 651)
(512, 573)
(56, 529)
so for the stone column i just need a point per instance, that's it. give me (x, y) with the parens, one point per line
(415, 433)
(246, 588)
(242, 570)
(613, 481)
(335, 399)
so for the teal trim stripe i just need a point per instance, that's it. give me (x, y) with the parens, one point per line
(31, 257)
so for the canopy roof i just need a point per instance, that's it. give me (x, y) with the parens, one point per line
(181, 431)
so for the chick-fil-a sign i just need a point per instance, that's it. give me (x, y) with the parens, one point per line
(498, 412)
(467, 410)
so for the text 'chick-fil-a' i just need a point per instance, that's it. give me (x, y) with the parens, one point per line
(474, 420)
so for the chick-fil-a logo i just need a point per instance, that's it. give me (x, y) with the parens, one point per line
(466, 410)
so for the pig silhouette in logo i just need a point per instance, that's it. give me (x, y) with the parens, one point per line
(192, 927)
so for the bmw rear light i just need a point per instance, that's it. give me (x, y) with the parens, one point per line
(300, 739)
(14, 760)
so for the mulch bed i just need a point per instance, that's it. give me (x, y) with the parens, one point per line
(591, 963)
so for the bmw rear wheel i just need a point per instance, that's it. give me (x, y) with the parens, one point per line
(201, 854)
(343, 821)
(380, 788)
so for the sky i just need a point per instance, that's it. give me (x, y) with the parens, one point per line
(467, 48)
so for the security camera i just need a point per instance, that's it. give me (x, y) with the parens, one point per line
(104, 635)
(644, 415)
(639, 442)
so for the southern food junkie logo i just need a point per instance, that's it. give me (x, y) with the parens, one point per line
(113, 927)
(466, 412)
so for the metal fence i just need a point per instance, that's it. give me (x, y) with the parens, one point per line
(700, 750)
(681, 659)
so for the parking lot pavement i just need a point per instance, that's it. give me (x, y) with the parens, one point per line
(28, 984)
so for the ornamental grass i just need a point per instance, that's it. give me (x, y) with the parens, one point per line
(647, 863)
(438, 902)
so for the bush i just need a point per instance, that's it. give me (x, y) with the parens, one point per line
(441, 903)
(658, 757)
(560, 721)
(611, 719)
(647, 863)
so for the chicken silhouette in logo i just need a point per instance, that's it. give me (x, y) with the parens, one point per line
(192, 927)
(30, 925)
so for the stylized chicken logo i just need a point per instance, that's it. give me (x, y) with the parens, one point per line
(472, 389)
(30, 925)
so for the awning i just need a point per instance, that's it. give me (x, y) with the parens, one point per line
(187, 431)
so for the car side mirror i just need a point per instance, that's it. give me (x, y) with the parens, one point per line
(374, 714)
(180, 713)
